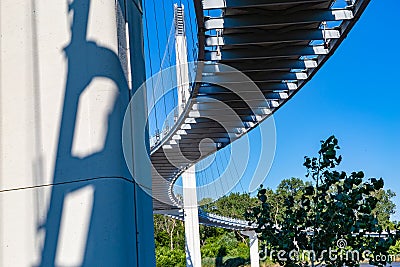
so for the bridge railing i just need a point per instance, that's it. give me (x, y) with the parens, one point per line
(195, 44)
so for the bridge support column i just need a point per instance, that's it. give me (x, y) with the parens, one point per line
(66, 195)
(191, 215)
(254, 256)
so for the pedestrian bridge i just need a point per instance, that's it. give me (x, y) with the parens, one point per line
(252, 57)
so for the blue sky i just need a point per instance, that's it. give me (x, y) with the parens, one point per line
(353, 96)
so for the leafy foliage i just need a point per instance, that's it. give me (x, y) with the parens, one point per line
(395, 249)
(225, 245)
(170, 258)
(233, 205)
(222, 247)
(384, 208)
(314, 217)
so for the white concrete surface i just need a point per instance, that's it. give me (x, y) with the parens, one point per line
(254, 254)
(191, 217)
(66, 196)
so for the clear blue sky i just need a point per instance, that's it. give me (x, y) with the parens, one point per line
(354, 96)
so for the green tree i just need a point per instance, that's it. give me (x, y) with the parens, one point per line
(337, 206)
(233, 205)
(170, 241)
(293, 187)
(395, 249)
(385, 208)
(170, 258)
(223, 247)
(168, 232)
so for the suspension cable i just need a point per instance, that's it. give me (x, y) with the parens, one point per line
(191, 29)
(212, 175)
(168, 44)
(151, 67)
(159, 57)
(219, 173)
(237, 174)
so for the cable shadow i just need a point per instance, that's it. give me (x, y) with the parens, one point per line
(105, 171)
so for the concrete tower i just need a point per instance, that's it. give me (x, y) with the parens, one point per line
(190, 207)
(66, 195)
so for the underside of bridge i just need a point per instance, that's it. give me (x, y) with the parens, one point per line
(66, 194)
(254, 55)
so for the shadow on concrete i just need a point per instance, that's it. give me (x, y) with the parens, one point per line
(111, 232)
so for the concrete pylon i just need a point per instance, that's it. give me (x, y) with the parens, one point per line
(254, 254)
(191, 216)
(182, 69)
(191, 213)
(66, 195)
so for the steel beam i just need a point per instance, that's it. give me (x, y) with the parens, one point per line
(265, 64)
(246, 21)
(255, 76)
(219, 4)
(272, 36)
(236, 54)
(205, 90)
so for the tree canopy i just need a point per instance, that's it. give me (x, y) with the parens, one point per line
(301, 215)
(336, 211)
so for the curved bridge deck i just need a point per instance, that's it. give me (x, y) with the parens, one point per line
(278, 44)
